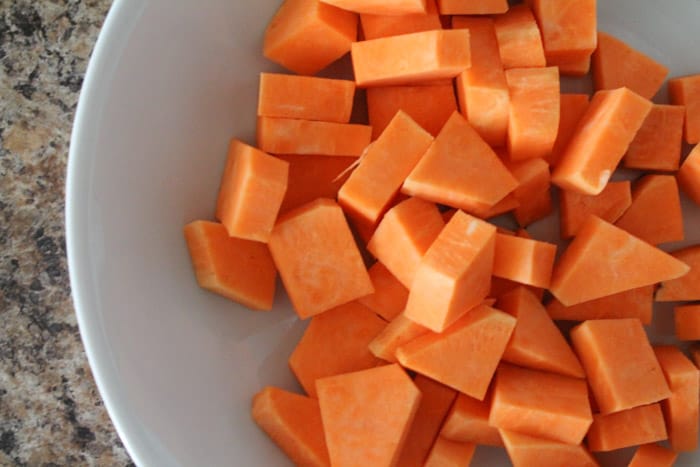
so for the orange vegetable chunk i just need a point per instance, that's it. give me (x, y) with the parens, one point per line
(460, 170)
(435, 402)
(448, 453)
(380, 7)
(375, 182)
(507, 204)
(653, 455)
(471, 7)
(411, 58)
(687, 322)
(539, 404)
(533, 192)
(455, 273)
(292, 136)
(689, 175)
(466, 355)
(620, 364)
(317, 258)
(377, 26)
(655, 214)
(305, 36)
(523, 260)
(639, 425)
(572, 107)
(384, 102)
(390, 295)
(293, 422)
(312, 177)
(404, 235)
(604, 260)
(240, 270)
(686, 91)
(634, 303)
(519, 39)
(686, 287)
(500, 287)
(681, 409)
(482, 90)
(251, 193)
(528, 451)
(577, 67)
(468, 422)
(569, 30)
(534, 111)
(658, 143)
(305, 97)
(609, 205)
(335, 342)
(602, 138)
(398, 332)
(616, 65)
(350, 404)
(536, 342)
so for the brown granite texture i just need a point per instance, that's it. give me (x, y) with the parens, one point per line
(50, 411)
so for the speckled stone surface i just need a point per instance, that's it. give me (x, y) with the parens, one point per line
(50, 411)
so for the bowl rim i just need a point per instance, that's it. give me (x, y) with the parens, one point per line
(121, 15)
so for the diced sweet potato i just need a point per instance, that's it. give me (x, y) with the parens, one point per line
(335, 342)
(620, 364)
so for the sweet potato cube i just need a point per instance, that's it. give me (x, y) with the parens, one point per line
(241, 270)
(526, 451)
(435, 402)
(305, 97)
(604, 260)
(335, 342)
(390, 295)
(540, 404)
(658, 143)
(404, 235)
(601, 140)
(460, 170)
(294, 424)
(251, 194)
(317, 258)
(686, 91)
(305, 36)
(686, 287)
(523, 260)
(350, 404)
(609, 205)
(620, 364)
(616, 65)
(634, 303)
(413, 58)
(537, 343)
(468, 422)
(483, 94)
(293, 136)
(455, 273)
(655, 214)
(375, 182)
(653, 455)
(479, 338)
(681, 409)
(639, 425)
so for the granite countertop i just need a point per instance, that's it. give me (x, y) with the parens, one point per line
(50, 410)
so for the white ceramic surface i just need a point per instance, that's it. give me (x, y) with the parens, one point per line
(169, 83)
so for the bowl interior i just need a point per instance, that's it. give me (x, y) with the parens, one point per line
(169, 84)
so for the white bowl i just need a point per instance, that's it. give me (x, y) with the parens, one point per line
(169, 83)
